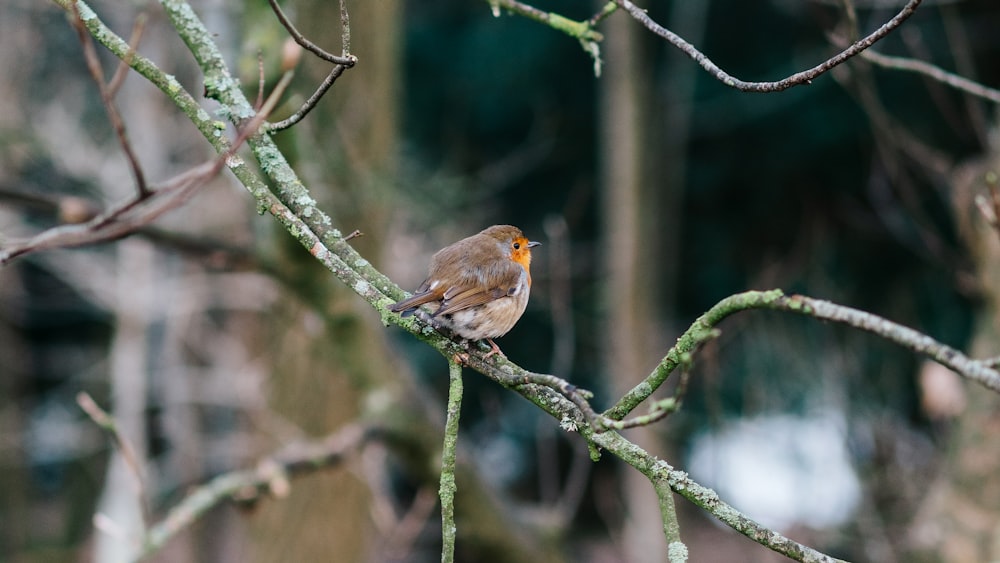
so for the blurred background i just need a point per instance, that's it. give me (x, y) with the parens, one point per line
(656, 191)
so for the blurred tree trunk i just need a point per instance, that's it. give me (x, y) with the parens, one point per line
(322, 369)
(959, 521)
(631, 298)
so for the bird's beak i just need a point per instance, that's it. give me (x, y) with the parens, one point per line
(533, 244)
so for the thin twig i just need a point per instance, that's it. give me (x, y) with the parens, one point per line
(581, 30)
(605, 11)
(97, 73)
(123, 66)
(345, 32)
(341, 63)
(346, 60)
(934, 72)
(260, 81)
(108, 424)
(310, 103)
(804, 77)
(128, 216)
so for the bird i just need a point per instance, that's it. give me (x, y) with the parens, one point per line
(478, 286)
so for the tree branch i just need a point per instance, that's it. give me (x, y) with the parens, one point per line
(804, 77)
(271, 475)
(704, 327)
(934, 72)
(341, 63)
(448, 486)
(583, 31)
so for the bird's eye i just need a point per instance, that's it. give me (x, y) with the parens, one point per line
(517, 246)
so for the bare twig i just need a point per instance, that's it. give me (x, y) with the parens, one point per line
(934, 72)
(310, 103)
(97, 73)
(107, 423)
(804, 77)
(408, 528)
(341, 63)
(260, 81)
(345, 31)
(122, 71)
(345, 60)
(128, 216)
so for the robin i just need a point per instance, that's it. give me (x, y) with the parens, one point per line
(479, 285)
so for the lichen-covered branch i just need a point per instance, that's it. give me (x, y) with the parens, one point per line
(979, 371)
(582, 30)
(449, 450)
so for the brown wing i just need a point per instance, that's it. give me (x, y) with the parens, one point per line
(409, 305)
(468, 299)
(499, 280)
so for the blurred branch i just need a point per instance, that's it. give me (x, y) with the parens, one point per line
(448, 452)
(584, 31)
(933, 72)
(271, 475)
(122, 219)
(149, 203)
(122, 71)
(107, 93)
(107, 423)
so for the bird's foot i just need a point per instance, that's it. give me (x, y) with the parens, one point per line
(494, 350)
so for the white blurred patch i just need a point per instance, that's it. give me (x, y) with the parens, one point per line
(781, 470)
